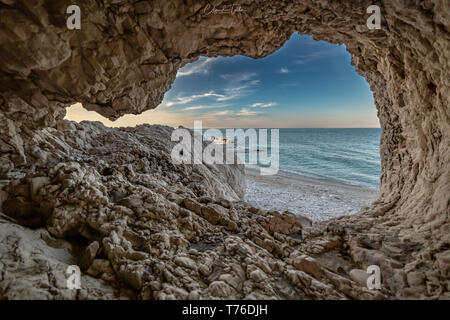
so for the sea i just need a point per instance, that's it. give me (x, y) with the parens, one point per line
(350, 155)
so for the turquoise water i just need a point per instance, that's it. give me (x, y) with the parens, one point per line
(349, 156)
(346, 155)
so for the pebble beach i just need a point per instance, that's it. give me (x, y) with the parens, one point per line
(315, 199)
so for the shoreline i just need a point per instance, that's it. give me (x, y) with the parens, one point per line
(316, 199)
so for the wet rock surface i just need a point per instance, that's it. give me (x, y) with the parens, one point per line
(140, 226)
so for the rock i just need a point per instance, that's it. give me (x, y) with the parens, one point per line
(359, 276)
(27, 263)
(306, 264)
(285, 223)
(218, 215)
(304, 221)
(84, 182)
(219, 289)
(186, 262)
(36, 184)
(193, 295)
(193, 205)
(224, 203)
(99, 266)
(3, 197)
(89, 254)
(415, 279)
(257, 275)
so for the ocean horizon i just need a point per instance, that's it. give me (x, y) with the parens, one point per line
(342, 155)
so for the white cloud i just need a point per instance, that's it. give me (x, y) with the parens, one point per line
(239, 77)
(200, 66)
(202, 107)
(229, 114)
(234, 92)
(263, 105)
(187, 99)
(222, 113)
(284, 70)
(246, 113)
(239, 84)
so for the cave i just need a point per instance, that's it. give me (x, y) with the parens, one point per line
(121, 61)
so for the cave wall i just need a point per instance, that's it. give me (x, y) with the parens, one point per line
(126, 55)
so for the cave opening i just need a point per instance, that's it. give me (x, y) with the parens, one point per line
(123, 60)
(329, 162)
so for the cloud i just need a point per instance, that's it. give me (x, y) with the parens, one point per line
(229, 114)
(284, 70)
(263, 105)
(246, 113)
(201, 66)
(222, 113)
(238, 91)
(236, 85)
(239, 84)
(202, 107)
(239, 77)
(187, 99)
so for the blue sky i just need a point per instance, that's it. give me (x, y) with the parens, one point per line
(306, 83)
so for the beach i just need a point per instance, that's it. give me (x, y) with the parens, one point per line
(315, 199)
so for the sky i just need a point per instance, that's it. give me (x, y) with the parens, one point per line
(305, 84)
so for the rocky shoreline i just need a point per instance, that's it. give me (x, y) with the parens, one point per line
(112, 202)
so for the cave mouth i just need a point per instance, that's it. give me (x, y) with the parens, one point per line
(124, 61)
(328, 148)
